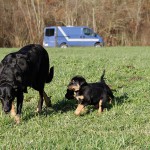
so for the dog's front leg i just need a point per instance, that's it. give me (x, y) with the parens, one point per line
(79, 109)
(19, 106)
(2, 104)
(13, 112)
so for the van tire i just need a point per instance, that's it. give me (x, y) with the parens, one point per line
(63, 45)
(98, 45)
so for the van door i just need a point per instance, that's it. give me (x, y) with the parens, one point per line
(49, 37)
(89, 38)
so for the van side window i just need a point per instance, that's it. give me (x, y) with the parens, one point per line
(87, 31)
(49, 32)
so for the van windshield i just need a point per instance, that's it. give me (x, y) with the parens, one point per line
(87, 31)
(49, 32)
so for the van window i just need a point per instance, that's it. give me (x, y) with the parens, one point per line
(87, 31)
(49, 32)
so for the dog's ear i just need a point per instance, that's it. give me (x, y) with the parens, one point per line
(17, 73)
(18, 81)
(1, 67)
(18, 85)
(18, 77)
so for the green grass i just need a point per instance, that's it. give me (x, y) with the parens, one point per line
(126, 126)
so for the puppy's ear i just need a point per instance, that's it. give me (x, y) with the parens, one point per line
(82, 82)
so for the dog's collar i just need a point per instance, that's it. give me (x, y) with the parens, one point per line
(6, 83)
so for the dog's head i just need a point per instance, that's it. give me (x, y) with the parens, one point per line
(76, 82)
(7, 95)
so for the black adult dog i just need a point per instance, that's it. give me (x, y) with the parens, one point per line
(97, 93)
(27, 67)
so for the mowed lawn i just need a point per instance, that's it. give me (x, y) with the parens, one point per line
(124, 126)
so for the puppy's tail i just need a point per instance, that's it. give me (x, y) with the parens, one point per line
(50, 75)
(102, 79)
(107, 88)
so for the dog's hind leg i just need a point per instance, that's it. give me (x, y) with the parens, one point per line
(110, 100)
(40, 103)
(47, 100)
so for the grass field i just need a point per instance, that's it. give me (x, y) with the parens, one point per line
(126, 126)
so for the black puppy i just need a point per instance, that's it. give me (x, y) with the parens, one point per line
(89, 93)
(27, 67)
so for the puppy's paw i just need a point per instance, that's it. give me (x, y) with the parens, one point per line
(77, 113)
(79, 109)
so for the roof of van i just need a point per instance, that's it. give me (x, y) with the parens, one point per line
(67, 26)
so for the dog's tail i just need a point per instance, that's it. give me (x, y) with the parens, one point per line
(50, 75)
(102, 79)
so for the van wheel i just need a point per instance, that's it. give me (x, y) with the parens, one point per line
(98, 45)
(63, 45)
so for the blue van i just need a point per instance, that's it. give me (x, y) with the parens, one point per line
(64, 36)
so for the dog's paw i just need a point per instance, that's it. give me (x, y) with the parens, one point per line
(17, 119)
(48, 102)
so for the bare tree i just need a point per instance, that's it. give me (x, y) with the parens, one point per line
(118, 22)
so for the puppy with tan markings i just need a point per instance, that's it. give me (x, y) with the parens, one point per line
(95, 94)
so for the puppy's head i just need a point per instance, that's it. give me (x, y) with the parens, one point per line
(76, 82)
(70, 94)
(6, 96)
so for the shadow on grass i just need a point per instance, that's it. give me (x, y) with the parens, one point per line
(65, 105)
(121, 99)
(117, 101)
(68, 105)
(30, 112)
(61, 106)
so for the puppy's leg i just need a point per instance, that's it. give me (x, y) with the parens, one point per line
(47, 100)
(79, 109)
(100, 110)
(81, 97)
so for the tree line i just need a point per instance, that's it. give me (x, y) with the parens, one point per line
(119, 22)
